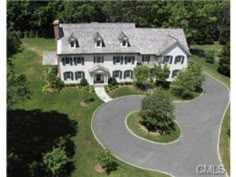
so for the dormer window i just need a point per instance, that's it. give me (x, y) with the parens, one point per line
(99, 42)
(124, 43)
(73, 41)
(124, 40)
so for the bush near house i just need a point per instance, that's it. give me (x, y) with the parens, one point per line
(161, 74)
(83, 82)
(112, 81)
(158, 112)
(142, 74)
(54, 84)
(188, 81)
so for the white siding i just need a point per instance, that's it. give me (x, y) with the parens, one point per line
(108, 63)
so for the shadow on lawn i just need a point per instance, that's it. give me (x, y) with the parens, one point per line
(198, 52)
(32, 133)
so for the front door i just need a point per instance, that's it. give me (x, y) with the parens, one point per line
(99, 78)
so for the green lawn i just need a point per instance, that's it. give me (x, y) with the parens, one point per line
(212, 69)
(126, 90)
(68, 102)
(133, 122)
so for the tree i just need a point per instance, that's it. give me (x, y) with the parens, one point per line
(13, 44)
(183, 86)
(210, 57)
(142, 74)
(54, 83)
(224, 64)
(106, 160)
(197, 75)
(17, 84)
(17, 87)
(55, 160)
(189, 81)
(158, 112)
(161, 73)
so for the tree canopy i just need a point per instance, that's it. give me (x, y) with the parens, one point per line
(158, 112)
(203, 22)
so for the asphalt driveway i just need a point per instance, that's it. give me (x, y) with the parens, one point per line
(197, 149)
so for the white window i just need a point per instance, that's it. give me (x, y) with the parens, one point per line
(179, 59)
(145, 58)
(98, 59)
(128, 74)
(67, 60)
(117, 59)
(68, 75)
(117, 74)
(79, 60)
(79, 75)
(99, 43)
(167, 59)
(129, 59)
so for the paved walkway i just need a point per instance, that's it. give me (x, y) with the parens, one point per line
(199, 120)
(101, 93)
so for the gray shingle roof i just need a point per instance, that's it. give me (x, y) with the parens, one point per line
(141, 40)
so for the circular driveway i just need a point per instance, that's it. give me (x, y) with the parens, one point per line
(199, 120)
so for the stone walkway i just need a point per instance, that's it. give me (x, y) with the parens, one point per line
(101, 93)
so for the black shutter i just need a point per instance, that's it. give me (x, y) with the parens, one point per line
(132, 60)
(131, 74)
(182, 60)
(121, 60)
(171, 58)
(93, 59)
(72, 75)
(83, 75)
(82, 58)
(70, 60)
(126, 60)
(114, 60)
(120, 74)
(64, 75)
(75, 60)
(64, 61)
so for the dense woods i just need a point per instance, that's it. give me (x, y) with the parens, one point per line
(203, 22)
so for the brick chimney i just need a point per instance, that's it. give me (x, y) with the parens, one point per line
(56, 29)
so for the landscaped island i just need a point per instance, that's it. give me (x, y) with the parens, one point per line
(135, 124)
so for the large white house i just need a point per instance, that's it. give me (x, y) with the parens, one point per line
(97, 51)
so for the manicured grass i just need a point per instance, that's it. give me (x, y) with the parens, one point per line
(126, 90)
(68, 102)
(212, 69)
(133, 122)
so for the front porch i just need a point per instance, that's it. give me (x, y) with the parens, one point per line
(99, 75)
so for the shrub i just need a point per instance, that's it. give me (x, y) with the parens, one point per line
(188, 81)
(158, 112)
(112, 81)
(89, 100)
(142, 74)
(106, 160)
(210, 57)
(83, 82)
